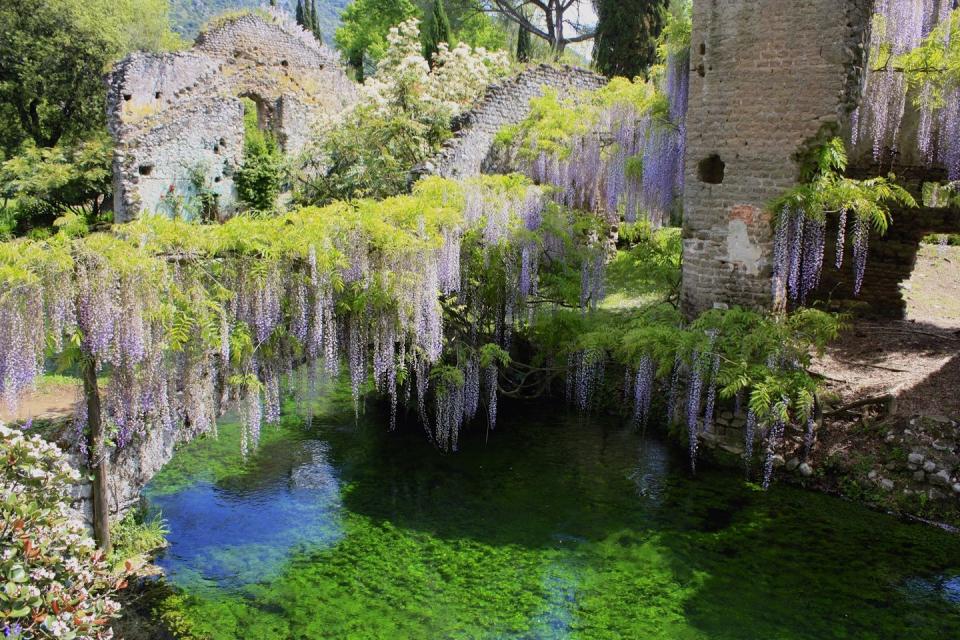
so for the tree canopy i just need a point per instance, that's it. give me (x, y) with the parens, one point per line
(558, 22)
(53, 55)
(367, 23)
(627, 34)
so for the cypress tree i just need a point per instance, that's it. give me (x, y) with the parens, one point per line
(627, 32)
(523, 45)
(438, 31)
(308, 15)
(300, 14)
(315, 21)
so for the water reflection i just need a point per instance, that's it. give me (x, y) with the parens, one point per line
(243, 533)
(652, 469)
(946, 586)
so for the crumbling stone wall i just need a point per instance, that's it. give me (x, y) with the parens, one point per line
(767, 77)
(177, 118)
(468, 152)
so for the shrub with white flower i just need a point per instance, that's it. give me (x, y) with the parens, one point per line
(55, 584)
(401, 120)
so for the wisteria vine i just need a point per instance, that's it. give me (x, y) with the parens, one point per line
(187, 319)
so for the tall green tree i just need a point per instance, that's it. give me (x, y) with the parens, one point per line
(438, 30)
(315, 21)
(53, 54)
(558, 22)
(523, 45)
(365, 25)
(626, 35)
(308, 15)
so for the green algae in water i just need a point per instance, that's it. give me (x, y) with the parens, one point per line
(558, 527)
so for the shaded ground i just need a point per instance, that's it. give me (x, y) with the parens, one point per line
(900, 452)
(916, 360)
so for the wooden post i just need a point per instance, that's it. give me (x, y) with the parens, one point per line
(99, 457)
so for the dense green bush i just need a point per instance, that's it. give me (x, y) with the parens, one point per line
(260, 178)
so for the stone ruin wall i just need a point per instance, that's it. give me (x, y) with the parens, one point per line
(470, 151)
(177, 118)
(767, 77)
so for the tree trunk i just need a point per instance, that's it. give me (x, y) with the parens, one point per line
(99, 457)
(558, 48)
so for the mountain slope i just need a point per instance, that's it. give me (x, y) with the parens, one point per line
(187, 16)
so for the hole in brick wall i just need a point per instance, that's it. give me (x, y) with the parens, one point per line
(216, 149)
(145, 169)
(703, 48)
(701, 70)
(127, 96)
(711, 169)
(222, 142)
(157, 95)
(217, 179)
(284, 63)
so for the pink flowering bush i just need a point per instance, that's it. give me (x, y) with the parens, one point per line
(53, 582)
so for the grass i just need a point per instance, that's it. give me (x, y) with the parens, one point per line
(136, 538)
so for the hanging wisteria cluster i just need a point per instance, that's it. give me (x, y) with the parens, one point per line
(800, 223)
(798, 253)
(899, 28)
(756, 362)
(187, 318)
(626, 153)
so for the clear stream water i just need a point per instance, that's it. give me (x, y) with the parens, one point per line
(557, 526)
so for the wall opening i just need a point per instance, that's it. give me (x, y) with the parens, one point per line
(711, 169)
(145, 169)
(127, 97)
(263, 108)
(158, 95)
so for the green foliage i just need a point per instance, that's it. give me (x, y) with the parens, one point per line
(553, 122)
(52, 57)
(646, 269)
(373, 149)
(675, 37)
(260, 178)
(438, 30)
(627, 35)
(55, 583)
(365, 25)
(933, 68)
(69, 178)
(827, 190)
(135, 538)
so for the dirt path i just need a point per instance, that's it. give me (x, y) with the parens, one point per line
(48, 402)
(916, 360)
